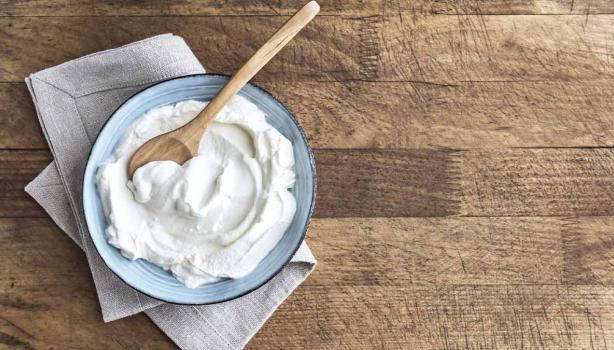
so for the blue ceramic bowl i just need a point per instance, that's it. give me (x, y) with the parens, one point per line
(151, 279)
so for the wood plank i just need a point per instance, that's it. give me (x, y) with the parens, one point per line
(442, 317)
(20, 128)
(518, 7)
(441, 49)
(17, 169)
(460, 116)
(339, 172)
(399, 252)
(537, 182)
(396, 182)
(185, 8)
(408, 115)
(491, 48)
(505, 182)
(222, 43)
(48, 300)
(403, 283)
(403, 251)
(287, 7)
(416, 182)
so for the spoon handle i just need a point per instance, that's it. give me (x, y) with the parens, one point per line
(193, 131)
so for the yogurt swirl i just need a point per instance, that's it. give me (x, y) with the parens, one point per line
(216, 216)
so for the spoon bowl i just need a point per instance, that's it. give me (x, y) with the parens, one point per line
(168, 146)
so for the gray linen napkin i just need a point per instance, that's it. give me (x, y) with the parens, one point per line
(73, 100)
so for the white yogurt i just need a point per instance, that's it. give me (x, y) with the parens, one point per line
(219, 214)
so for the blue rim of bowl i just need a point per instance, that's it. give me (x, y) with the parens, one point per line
(311, 205)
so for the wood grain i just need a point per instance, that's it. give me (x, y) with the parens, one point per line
(507, 182)
(460, 116)
(462, 251)
(17, 169)
(464, 154)
(20, 128)
(447, 49)
(518, 7)
(439, 49)
(362, 182)
(287, 7)
(186, 8)
(537, 182)
(48, 300)
(396, 182)
(442, 317)
(408, 115)
(404, 282)
(222, 43)
(416, 182)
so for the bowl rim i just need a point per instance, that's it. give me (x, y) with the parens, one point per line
(305, 225)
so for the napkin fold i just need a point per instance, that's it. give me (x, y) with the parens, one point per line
(73, 100)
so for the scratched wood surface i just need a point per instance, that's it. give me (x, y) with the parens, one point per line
(465, 162)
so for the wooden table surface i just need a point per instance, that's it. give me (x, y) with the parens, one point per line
(465, 162)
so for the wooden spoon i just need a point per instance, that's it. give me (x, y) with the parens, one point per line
(182, 144)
